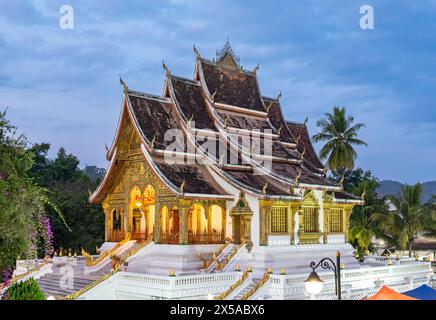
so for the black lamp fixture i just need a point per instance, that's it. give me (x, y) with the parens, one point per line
(314, 284)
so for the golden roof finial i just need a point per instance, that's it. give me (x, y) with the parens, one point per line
(341, 182)
(164, 66)
(212, 97)
(280, 130)
(279, 96)
(197, 54)
(125, 89)
(89, 192)
(255, 69)
(182, 185)
(298, 139)
(306, 121)
(269, 106)
(225, 121)
(106, 147)
(363, 194)
(303, 154)
(153, 142)
(221, 161)
(264, 187)
(298, 176)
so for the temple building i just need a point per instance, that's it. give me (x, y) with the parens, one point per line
(179, 190)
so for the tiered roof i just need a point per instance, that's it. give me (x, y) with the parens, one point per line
(222, 100)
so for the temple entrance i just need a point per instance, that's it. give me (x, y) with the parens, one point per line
(205, 227)
(169, 222)
(116, 228)
(142, 213)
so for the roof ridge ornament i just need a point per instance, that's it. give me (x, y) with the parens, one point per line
(298, 139)
(125, 88)
(341, 182)
(212, 97)
(303, 154)
(306, 121)
(280, 130)
(298, 176)
(153, 142)
(197, 54)
(269, 106)
(227, 50)
(264, 187)
(182, 185)
(255, 69)
(363, 194)
(164, 66)
(279, 96)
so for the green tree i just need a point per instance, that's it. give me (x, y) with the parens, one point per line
(366, 221)
(69, 188)
(340, 136)
(410, 218)
(22, 202)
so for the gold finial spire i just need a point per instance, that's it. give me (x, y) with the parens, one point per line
(269, 106)
(298, 176)
(153, 142)
(164, 66)
(225, 121)
(182, 185)
(221, 161)
(363, 194)
(298, 139)
(341, 182)
(197, 54)
(255, 69)
(212, 97)
(279, 96)
(123, 84)
(303, 154)
(264, 187)
(89, 192)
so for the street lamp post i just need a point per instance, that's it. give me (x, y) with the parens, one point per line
(314, 284)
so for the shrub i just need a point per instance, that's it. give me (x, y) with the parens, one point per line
(25, 290)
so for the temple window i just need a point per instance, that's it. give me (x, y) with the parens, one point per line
(335, 220)
(310, 219)
(279, 219)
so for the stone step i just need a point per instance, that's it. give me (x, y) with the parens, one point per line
(57, 282)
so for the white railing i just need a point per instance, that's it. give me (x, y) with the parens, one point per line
(360, 281)
(389, 259)
(130, 285)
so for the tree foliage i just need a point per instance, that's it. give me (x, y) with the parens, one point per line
(340, 136)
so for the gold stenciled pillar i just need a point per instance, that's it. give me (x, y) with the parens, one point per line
(184, 206)
(265, 207)
(346, 220)
(157, 230)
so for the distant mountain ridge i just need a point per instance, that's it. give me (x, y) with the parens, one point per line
(390, 187)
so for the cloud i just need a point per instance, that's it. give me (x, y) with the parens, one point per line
(62, 85)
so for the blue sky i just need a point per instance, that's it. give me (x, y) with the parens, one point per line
(61, 86)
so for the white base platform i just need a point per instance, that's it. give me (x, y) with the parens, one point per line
(161, 259)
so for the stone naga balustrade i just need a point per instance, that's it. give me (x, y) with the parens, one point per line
(119, 251)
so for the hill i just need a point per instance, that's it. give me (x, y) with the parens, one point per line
(393, 188)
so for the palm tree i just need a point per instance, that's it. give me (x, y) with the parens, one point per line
(410, 217)
(366, 220)
(341, 136)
